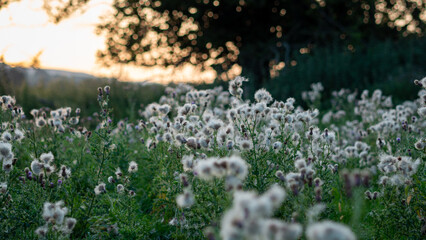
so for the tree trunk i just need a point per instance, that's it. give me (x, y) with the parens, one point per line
(255, 68)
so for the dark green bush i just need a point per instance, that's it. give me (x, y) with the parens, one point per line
(390, 66)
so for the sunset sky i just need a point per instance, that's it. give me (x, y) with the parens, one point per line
(72, 44)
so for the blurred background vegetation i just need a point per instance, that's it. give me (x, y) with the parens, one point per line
(280, 45)
(390, 66)
(387, 65)
(126, 98)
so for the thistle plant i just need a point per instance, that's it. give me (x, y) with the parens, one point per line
(211, 164)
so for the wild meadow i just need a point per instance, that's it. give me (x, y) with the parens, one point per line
(211, 164)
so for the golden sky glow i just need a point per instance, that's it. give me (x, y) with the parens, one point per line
(72, 44)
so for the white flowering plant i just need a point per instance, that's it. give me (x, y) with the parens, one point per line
(208, 164)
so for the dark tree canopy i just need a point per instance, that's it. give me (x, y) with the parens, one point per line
(4, 3)
(254, 34)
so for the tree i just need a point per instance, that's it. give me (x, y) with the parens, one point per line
(4, 3)
(254, 34)
(35, 61)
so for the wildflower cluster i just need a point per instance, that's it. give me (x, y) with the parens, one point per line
(233, 168)
(329, 230)
(250, 217)
(7, 157)
(43, 168)
(314, 95)
(55, 220)
(210, 164)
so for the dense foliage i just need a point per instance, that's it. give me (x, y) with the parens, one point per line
(253, 34)
(386, 65)
(209, 164)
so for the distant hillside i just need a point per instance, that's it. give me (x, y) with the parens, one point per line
(36, 88)
(33, 76)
